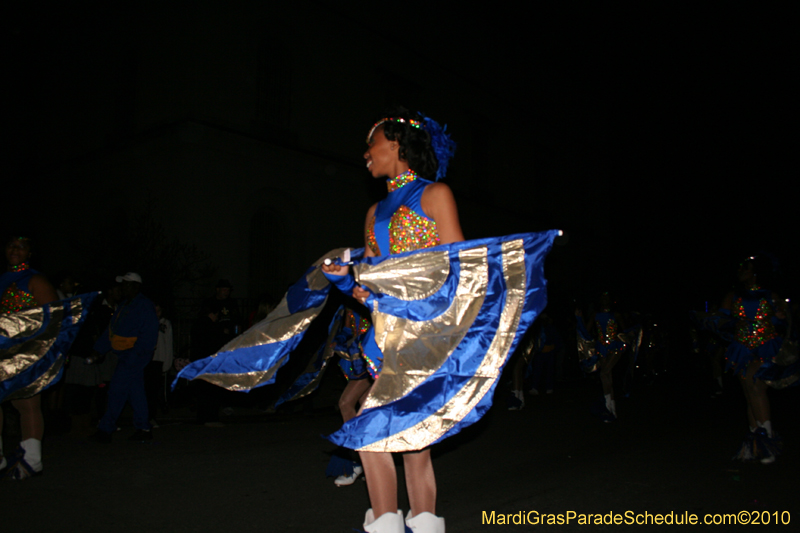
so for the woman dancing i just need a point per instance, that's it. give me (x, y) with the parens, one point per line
(417, 213)
(756, 311)
(609, 348)
(348, 346)
(446, 316)
(21, 288)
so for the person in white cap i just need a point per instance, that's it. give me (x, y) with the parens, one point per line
(131, 335)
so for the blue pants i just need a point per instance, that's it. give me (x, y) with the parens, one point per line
(127, 384)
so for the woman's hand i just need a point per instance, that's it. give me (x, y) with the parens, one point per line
(336, 270)
(361, 294)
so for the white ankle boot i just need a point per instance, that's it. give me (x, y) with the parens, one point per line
(387, 523)
(33, 453)
(425, 523)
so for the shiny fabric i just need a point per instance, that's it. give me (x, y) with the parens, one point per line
(252, 359)
(345, 333)
(33, 344)
(444, 338)
(454, 362)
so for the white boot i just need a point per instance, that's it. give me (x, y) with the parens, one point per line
(425, 523)
(33, 453)
(387, 523)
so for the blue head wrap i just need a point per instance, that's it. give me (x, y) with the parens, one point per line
(443, 146)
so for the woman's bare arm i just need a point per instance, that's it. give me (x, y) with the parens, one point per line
(43, 292)
(440, 205)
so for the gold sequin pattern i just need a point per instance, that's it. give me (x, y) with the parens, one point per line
(408, 230)
(610, 334)
(15, 300)
(372, 242)
(753, 333)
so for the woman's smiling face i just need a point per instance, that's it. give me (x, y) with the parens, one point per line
(18, 251)
(382, 155)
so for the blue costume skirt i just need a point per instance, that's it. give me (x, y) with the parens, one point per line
(739, 356)
(34, 342)
(445, 320)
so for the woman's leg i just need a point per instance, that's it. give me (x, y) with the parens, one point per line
(32, 429)
(756, 394)
(352, 396)
(420, 482)
(606, 378)
(30, 416)
(381, 481)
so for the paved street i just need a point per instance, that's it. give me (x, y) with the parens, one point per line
(669, 452)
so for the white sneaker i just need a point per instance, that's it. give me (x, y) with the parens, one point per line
(386, 523)
(343, 480)
(425, 523)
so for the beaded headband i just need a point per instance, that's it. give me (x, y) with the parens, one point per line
(411, 122)
(443, 146)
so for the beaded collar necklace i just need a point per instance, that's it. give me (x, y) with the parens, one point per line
(400, 180)
(20, 267)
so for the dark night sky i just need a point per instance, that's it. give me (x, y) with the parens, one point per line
(679, 118)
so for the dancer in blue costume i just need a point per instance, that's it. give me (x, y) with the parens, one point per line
(416, 214)
(607, 325)
(445, 318)
(756, 311)
(346, 335)
(348, 345)
(21, 288)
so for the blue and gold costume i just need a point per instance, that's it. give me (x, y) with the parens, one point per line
(605, 344)
(346, 334)
(34, 339)
(399, 223)
(14, 289)
(348, 345)
(756, 339)
(445, 321)
(608, 342)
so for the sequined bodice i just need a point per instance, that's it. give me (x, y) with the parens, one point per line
(754, 312)
(15, 295)
(399, 223)
(606, 328)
